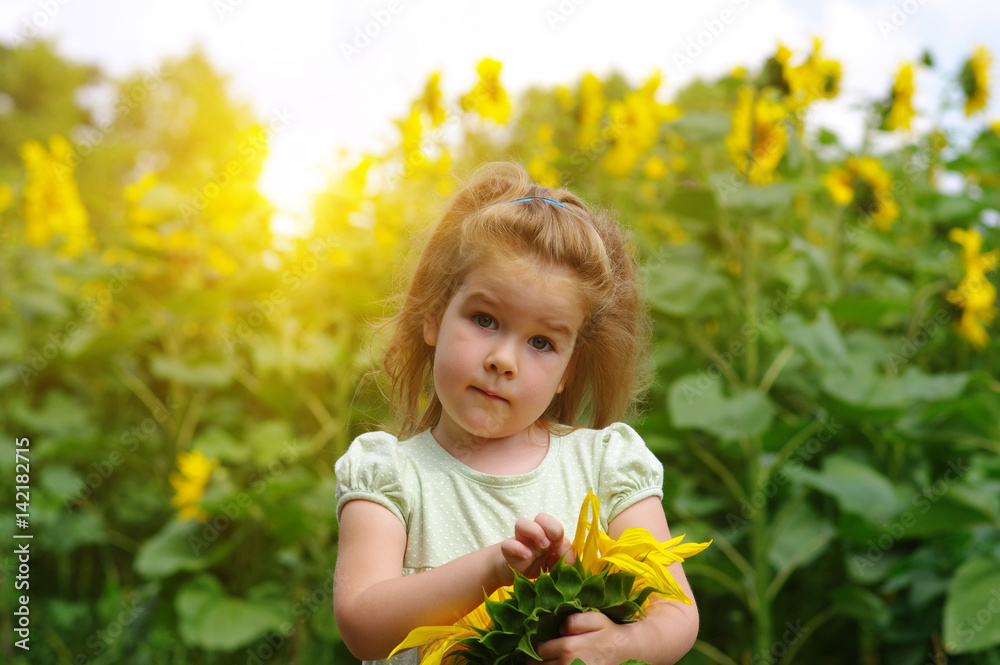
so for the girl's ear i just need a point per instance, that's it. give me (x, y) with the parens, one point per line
(431, 329)
(567, 374)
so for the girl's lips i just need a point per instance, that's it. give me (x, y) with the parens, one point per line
(489, 394)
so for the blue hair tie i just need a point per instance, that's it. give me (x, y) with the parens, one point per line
(528, 198)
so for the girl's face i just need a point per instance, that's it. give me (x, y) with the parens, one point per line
(503, 346)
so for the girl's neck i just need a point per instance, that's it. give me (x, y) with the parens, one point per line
(510, 456)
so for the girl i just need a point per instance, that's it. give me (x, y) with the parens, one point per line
(524, 313)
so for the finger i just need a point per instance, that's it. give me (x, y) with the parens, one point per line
(531, 534)
(584, 622)
(548, 651)
(569, 556)
(513, 549)
(551, 526)
(556, 552)
(564, 547)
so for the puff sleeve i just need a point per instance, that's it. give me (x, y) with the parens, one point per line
(629, 471)
(373, 469)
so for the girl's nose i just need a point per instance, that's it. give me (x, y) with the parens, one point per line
(501, 359)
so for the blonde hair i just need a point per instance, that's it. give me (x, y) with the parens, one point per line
(483, 223)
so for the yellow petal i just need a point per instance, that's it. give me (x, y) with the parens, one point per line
(689, 549)
(652, 573)
(586, 543)
(426, 634)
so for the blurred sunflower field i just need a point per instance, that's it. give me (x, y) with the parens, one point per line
(827, 403)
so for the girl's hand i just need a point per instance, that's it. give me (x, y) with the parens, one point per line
(536, 546)
(589, 636)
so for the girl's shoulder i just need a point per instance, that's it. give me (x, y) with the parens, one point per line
(614, 435)
(376, 467)
(379, 449)
(625, 470)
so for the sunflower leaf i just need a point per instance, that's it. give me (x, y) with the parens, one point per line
(524, 592)
(623, 612)
(592, 591)
(548, 595)
(617, 588)
(525, 647)
(568, 582)
(505, 615)
(643, 595)
(501, 642)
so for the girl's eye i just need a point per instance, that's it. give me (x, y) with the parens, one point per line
(540, 344)
(483, 320)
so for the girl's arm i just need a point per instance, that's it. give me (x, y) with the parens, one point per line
(667, 632)
(376, 606)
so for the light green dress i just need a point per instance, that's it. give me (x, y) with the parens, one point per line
(449, 509)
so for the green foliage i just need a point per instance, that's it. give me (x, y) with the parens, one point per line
(819, 407)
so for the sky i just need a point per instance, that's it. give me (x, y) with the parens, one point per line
(343, 71)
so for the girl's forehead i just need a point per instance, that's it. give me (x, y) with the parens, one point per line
(545, 292)
(503, 275)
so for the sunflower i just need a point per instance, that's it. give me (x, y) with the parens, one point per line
(975, 295)
(975, 80)
(52, 205)
(636, 123)
(816, 78)
(801, 85)
(590, 112)
(189, 484)
(864, 181)
(431, 99)
(541, 167)
(901, 110)
(616, 577)
(488, 98)
(758, 139)
(436, 642)
(411, 130)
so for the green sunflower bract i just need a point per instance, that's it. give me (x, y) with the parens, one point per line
(616, 577)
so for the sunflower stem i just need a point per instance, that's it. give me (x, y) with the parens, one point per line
(759, 540)
(750, 301)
